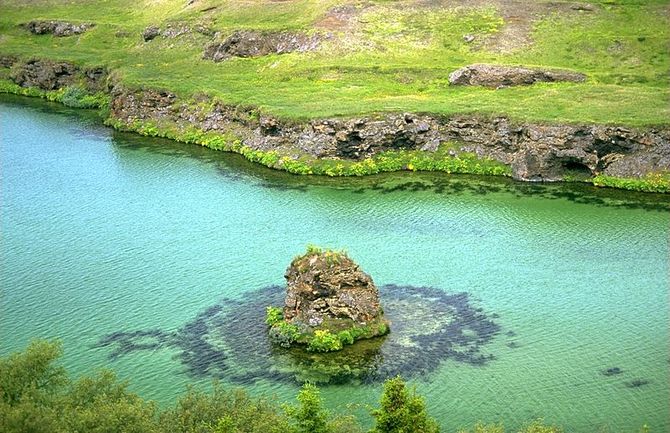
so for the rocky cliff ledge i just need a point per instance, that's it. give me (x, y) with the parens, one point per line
(534, 152)
(330, 303)
(526, 151)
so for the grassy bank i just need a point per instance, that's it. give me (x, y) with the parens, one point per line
(445, 159)
(381, 56)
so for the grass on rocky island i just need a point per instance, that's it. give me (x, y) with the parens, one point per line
(323, 338)
(396, 56)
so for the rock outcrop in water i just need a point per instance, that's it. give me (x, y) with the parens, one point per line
(330, 302)
(328, 287)
(500, 76)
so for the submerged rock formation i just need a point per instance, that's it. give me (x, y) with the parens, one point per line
(499, 76)
(229, 340)
(56, 28)
(330, 302)
(253, 43)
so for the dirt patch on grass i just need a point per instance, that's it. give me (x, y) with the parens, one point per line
(339, 18)
(519, 18)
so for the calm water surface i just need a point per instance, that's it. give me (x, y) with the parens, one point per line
(104, 232)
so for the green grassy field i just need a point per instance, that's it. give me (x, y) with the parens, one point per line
(383, 56)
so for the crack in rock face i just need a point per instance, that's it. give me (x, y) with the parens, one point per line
(229, 340)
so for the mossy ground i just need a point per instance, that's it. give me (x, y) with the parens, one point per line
(383, 56)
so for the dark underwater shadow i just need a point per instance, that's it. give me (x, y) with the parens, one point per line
(229, 340)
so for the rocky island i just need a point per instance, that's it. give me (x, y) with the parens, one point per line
(330, 303)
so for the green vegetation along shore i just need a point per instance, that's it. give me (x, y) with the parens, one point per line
(37, 395)
(365, 59)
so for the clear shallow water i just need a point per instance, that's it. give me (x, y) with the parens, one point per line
(105, 232)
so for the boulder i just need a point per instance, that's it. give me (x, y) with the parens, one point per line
(45, 74)
(501, 76)
(253, 43)
(57, 28)
(8, 61)
(326, 288)
(53, 75)
(150, 33)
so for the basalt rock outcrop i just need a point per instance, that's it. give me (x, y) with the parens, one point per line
(252, 43)
(500, 76)
(535, 152)
(327, 287)
(7, 61)
(54, 75)
(330, 303)
(174, 30)
(56, 28)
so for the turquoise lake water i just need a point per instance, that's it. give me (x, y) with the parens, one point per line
(106, 233)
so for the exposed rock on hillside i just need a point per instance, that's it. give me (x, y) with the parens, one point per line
(498, 75)
(174, 30)
(8, 61)
(57, 28)
(327, 287)
(52, 75)
(151, 33)
(534, 152)
(45, 74)
(252, 43)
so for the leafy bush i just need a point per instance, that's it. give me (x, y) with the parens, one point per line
(36, 395)
(309, 415)
(284, 333)
(402, 412)
(273, 315)
(222, 411)
(534, 427)
(324, 341)
(345, 337)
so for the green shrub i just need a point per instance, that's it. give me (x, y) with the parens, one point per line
(309, 415)
(7, 86)
(284, 333)
(652, 182)
(345, 337)
(221, 411)
(539, 427)
(402, 412)
(273, 315)
(324, 341)
(313, 249)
